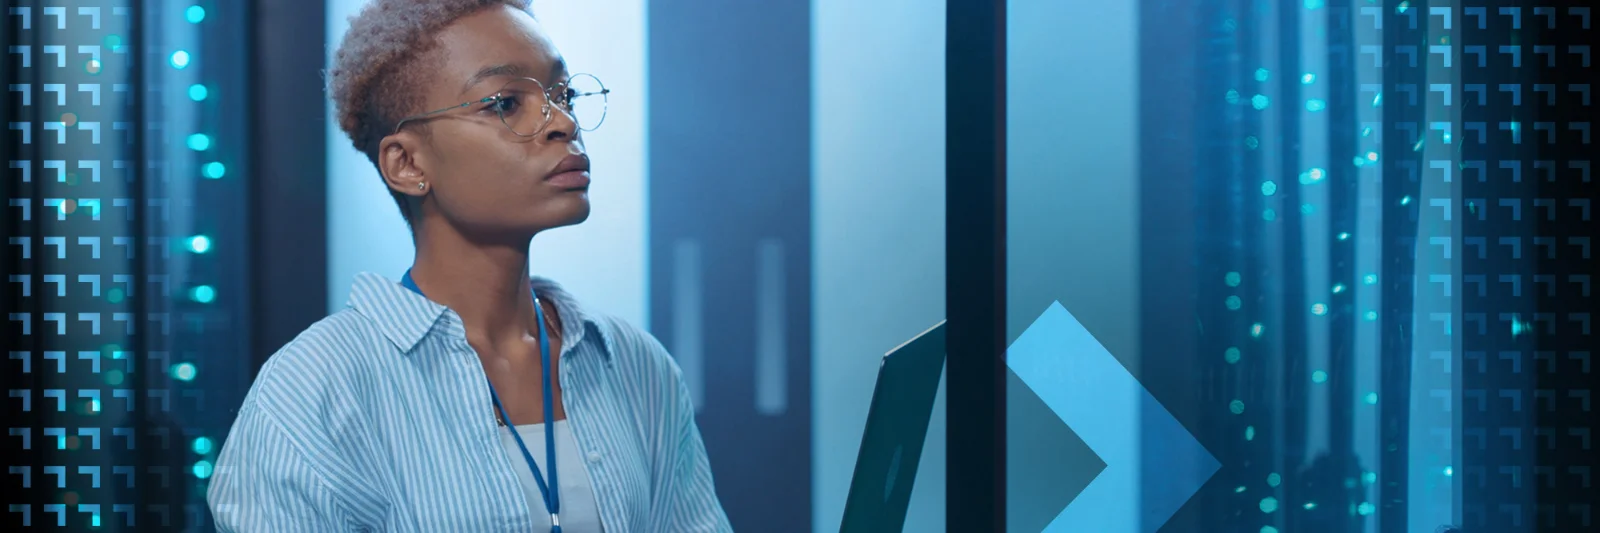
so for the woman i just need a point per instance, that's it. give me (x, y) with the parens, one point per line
(466, 397)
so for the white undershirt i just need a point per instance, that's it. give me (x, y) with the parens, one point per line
(578, 511)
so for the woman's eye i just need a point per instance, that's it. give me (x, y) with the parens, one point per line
(505, 104)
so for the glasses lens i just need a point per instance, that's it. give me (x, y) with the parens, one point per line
(584, 97)
(522, 107)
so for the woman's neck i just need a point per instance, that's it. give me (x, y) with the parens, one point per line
(486, 284)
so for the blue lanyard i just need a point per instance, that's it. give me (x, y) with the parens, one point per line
(552, 498)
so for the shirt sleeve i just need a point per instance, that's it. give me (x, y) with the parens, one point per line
(687, 496)
(264, 483)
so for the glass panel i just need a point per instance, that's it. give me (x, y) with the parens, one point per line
(878, 221)
(1072, 156)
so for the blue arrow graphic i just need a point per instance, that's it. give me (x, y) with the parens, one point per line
(1107, 407)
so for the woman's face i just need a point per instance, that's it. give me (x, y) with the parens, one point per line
(482, 178)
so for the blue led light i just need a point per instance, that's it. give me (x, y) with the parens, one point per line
(199, 244)
(203, 445)
(1308, 78)
(1269, 504)
(202, 469)
(194, 14)
(1262, 74)
(1268, 188)
(203, 294)
(180, 59)
(1259, 101)
(214, 170)
(183, 371)
(1319, 377)
(1316, 105)
(199, 142)
(198, 92)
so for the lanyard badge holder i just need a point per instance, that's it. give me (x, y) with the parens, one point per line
(552, 498)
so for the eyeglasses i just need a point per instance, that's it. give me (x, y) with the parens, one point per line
(526, 107)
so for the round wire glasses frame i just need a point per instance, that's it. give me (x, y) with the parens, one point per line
(511, 103)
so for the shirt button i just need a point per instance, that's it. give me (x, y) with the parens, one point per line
(594, 457)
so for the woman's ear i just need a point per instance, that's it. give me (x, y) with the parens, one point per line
(397, 158)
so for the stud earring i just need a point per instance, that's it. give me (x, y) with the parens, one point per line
(421, 185)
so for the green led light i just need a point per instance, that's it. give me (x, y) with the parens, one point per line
(1236, 407)
(1231, 355)
(1233, 303)
(1231, 278)
(1249, 433)
(199, 142)
(1372, 398)
(1256, 330)
(1269, 504)
(1274, 479)
(115, 296)
(183, 371)
(214, 170)
(1319, 377)
(203, 294)
(194, 14)
(198, 92)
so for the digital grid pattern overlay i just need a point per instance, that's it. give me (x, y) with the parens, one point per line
(120, 289)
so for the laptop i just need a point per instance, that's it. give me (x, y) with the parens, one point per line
(897, 426)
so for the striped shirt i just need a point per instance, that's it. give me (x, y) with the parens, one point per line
(378, 418)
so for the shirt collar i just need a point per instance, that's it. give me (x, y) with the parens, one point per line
(406, 318)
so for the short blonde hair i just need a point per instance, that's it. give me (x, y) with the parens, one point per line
(374, 74)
